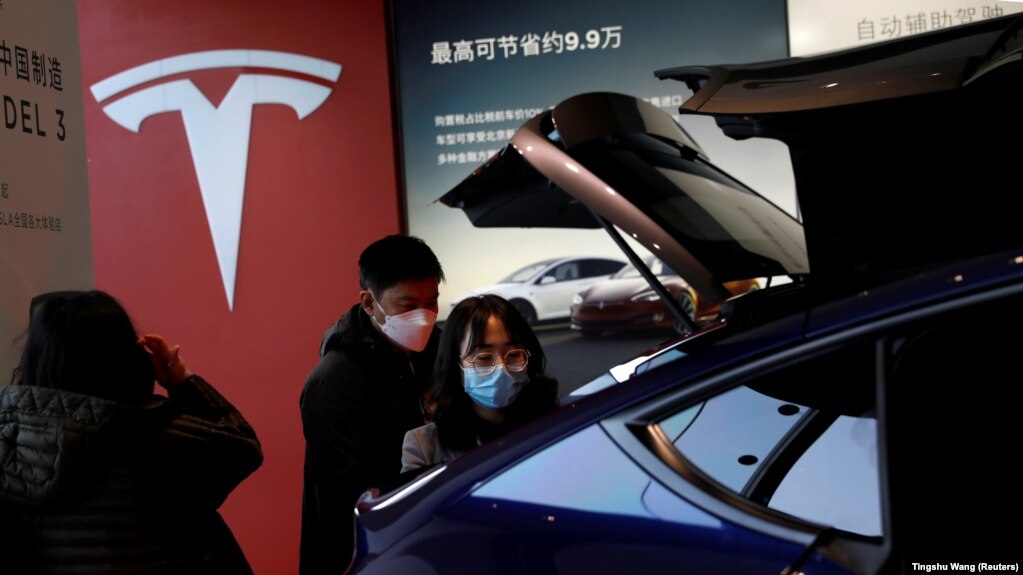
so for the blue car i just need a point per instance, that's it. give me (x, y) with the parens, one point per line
(857, 418)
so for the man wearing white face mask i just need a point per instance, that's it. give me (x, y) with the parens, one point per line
(365, 393)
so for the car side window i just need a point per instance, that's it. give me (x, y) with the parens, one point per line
(596, 268)
(565, 272)
(793, 440)
(844, 458)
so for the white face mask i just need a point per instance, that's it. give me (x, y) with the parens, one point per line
(411, 330)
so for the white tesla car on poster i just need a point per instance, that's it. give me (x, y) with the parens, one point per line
(544, 290)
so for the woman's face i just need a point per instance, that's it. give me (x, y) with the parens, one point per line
(495, 340)
(490, 395)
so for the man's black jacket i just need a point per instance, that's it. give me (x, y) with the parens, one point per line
(356, 406)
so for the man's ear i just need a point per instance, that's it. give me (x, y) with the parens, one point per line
(366, 300)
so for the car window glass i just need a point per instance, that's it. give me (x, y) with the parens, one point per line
(551, 479)
(802, 441)
(596, 268)
(610, 266)
(734, 433)
(523, 274)
(735, 216)
(657, 267)
(845, 460)
(566, 272)
(627, 272)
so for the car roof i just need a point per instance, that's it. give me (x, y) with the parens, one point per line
(556, 261)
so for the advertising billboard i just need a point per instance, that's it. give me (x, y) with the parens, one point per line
(45, 236)
(476, 73)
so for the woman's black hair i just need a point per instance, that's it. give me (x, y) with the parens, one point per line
(452, 408)
(85, 342)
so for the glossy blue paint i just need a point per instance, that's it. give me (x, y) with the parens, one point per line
(931, 286)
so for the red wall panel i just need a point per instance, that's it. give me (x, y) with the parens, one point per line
(317, 191)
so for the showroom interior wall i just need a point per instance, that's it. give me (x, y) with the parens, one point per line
(318, 186)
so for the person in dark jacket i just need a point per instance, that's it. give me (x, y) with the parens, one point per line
(365, 393)
(489, 379)
(99, 474)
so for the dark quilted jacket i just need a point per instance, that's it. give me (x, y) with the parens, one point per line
(93, 486)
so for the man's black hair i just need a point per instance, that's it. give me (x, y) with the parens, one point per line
(394, 259)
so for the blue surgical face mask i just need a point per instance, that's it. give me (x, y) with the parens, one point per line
(495, 390)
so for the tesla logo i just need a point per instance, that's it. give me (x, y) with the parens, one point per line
(218, 136)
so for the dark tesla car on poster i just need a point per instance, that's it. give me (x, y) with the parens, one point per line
(626, 302)
(858, 419)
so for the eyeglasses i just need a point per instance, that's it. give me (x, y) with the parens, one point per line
(486, 362)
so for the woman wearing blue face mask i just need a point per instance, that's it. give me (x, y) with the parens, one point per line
(488, 379)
